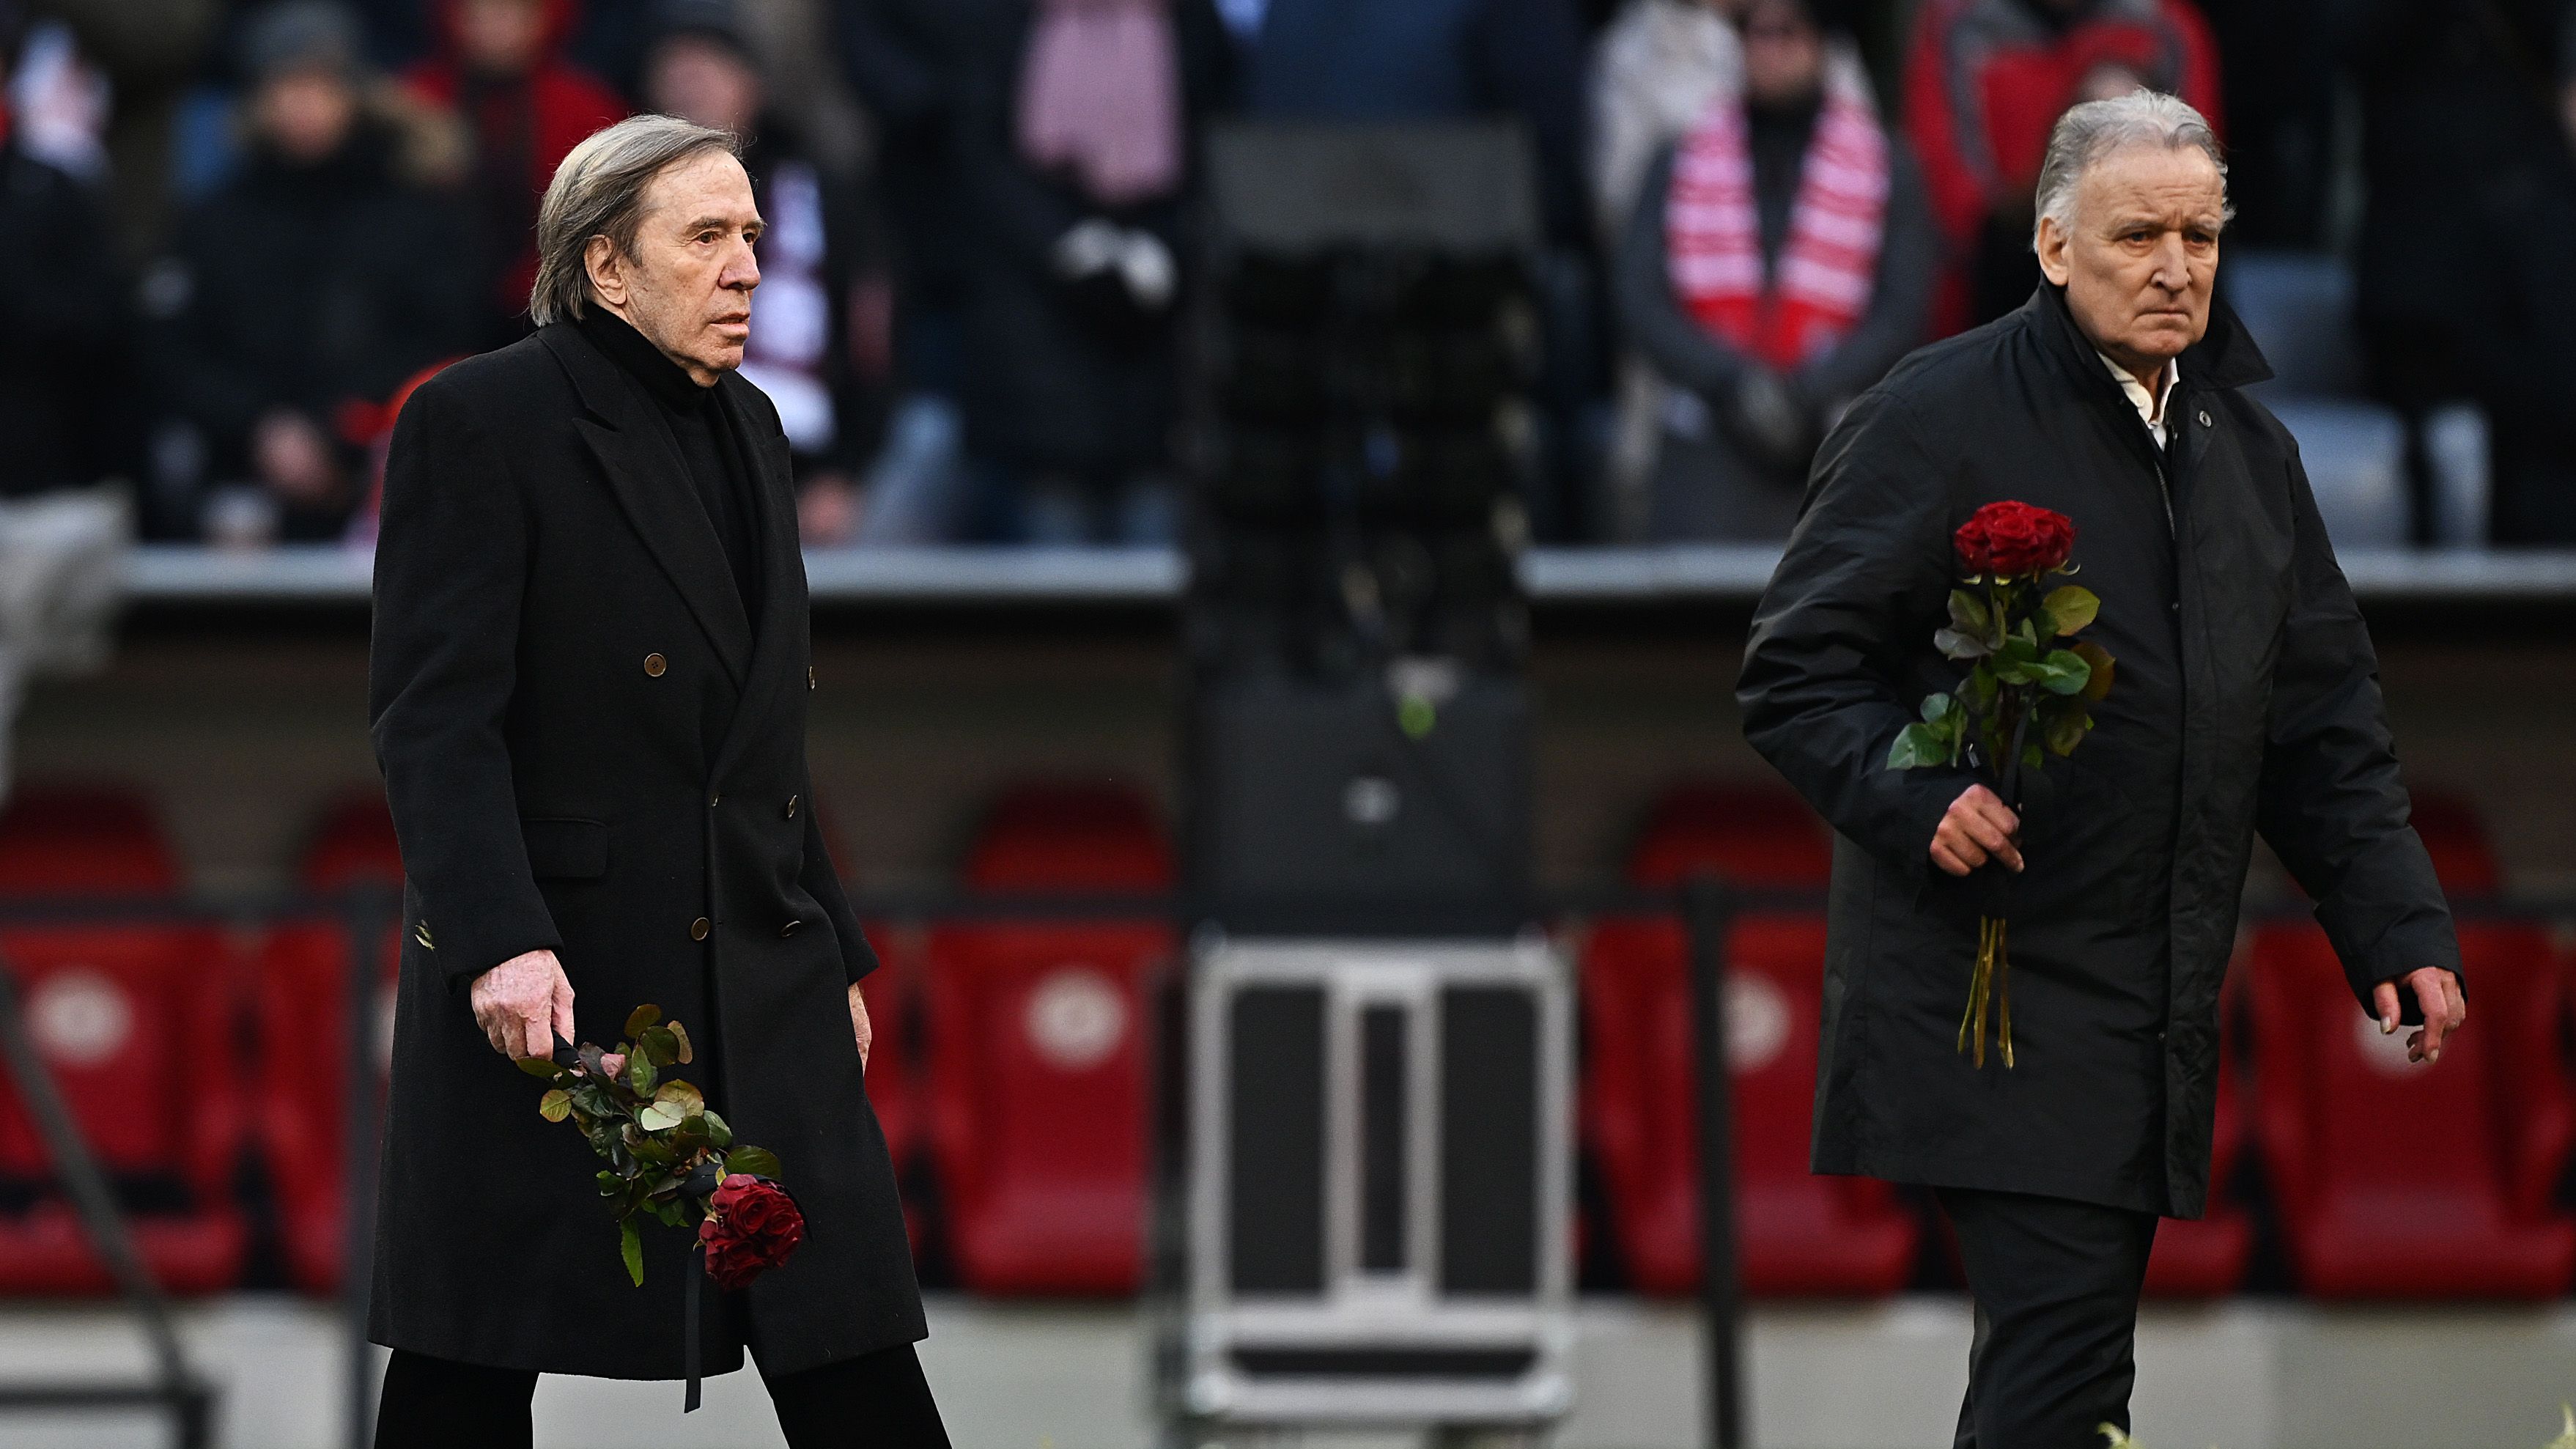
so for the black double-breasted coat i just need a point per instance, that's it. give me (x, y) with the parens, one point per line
(590, 747)
(2245, 698)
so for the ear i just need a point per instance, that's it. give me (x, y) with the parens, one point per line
(2051, 246)
(607, 269)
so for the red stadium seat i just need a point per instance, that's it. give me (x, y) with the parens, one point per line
(1797, 1233)
(135, 1023)
(301, 1010)
(2400, 1181)
(1038, 1087)
(1749, 836)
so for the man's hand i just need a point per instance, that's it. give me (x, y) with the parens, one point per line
(1976, 826)
(859, 1024)
(2444, 1010)
(523, 1004)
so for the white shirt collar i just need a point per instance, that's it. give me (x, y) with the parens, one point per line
(2150, 405)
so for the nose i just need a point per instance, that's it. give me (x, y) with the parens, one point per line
(742, 270)
(2173, 264)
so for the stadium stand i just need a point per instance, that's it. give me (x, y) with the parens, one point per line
(134, 1023)
(1799, 1233)
(1038, 1073)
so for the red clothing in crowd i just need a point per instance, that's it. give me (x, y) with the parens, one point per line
(1986, 79)
(523, 125)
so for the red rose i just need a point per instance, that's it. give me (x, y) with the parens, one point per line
(752, 1229)
(2011, 539)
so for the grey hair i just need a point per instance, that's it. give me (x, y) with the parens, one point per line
(599, 191)
(2095, 129)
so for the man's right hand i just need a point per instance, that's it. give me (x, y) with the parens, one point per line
(523, 1004)
(1977, 826)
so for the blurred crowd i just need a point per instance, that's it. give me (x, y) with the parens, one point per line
(240, 231)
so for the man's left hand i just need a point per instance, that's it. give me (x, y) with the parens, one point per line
(859, 1025)
(2438, 991)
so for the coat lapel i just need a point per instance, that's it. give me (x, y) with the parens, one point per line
(777, 662)
(652, 486)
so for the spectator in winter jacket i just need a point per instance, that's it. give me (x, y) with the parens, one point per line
(818, 346)
(501, 68)
(2468, 144)
(1984, 82)
(65, 377)
(319, 278)
(1779, 260)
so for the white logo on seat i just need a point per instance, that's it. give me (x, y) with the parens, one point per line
(1076, 1018)
(1757, 1022)
(79, 1017)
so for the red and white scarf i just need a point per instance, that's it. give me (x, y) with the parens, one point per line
(1829, 260)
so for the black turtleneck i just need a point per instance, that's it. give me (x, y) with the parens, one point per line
(711, 454)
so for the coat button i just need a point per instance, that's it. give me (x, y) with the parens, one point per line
(698, 929)
(2204, 420)
(654, 664)
(809, 676)
(790, 928)
(791, 806)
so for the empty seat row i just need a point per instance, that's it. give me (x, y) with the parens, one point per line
(2390, 1180)
(1013, 1073)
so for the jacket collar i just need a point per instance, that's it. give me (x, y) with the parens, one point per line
(644, 470)
(2224, 357)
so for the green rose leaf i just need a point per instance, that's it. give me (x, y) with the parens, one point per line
(2063, 672)
(1938, 707)
(640, 1074)
(2098, 684)
(717, 1132)
(1968, 613)
(658, 1043)
(642, 1017)
(682, 1096)
(1918, 745)
(2030, 758)
(658, 1116)
(2066, 728)
(758, 1161)
(540, 1067)
(1955, 645)
(630, 1246)
(555, 1106)
(679, 1034)
(2073, 608)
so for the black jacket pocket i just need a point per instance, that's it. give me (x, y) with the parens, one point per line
(566, 849)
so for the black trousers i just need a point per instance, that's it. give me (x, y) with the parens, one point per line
(874, 1401)
(2056, 1286)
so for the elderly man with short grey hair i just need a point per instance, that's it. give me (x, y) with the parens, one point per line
(2245, 700)
(589, 682)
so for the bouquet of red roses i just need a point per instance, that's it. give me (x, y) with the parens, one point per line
(2029, 693)
(670, 1157)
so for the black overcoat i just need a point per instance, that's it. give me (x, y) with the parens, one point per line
(589, 748)
(2246, 698)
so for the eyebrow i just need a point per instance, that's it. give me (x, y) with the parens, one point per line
(720, 223)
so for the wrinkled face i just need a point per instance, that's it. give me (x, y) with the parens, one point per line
(2138, 255)
(688, 286)
(1784, 57)
(698, 80)
(305, 115)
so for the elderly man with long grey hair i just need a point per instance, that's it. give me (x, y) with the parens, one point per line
(589, 687)
(2245, 700)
